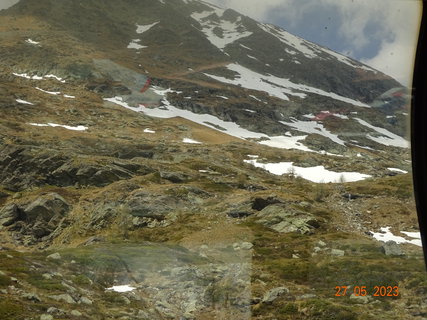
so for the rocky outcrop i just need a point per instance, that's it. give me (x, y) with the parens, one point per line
(283, 219)
(25, 167)
(37, 219)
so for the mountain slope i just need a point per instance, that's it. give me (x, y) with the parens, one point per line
(214, 166)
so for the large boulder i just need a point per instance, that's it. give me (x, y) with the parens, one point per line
(391, 248)
(285, 220)
(9, 214)
(46, 207)
(146, 205)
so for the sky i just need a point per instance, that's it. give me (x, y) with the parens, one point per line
(379, 33)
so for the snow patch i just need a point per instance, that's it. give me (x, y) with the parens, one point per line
(313, 127)
(316, 174)
(225, 98)
(249, 110)
(135, 45)
(54, 93)
(388, 138)
(149, 131)
(24, 102)
(78, 128)
(274, 86)
(386, 235)
(121, 289)
(230, 31)
(32, 42)
(144, 28)
(397, 170)
(243, 46)
(252, 57)
(36, 77)
(69, 97)
(169, 111)
(188, 140)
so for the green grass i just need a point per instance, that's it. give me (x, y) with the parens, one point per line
(324, 310)
(9, 310)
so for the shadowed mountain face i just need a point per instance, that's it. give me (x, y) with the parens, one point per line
(212, 166)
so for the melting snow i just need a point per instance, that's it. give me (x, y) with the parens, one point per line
(78, 128)
(255, 98)
(299, 44)
(31, 41)
(252, 57)
(316, 174)
(144, 28)
(397, 170)
(313, 127)
(187, 140)
(309, 50)
(249, 110)
(253, 156)
(23, 102)
(228, 127)
(243, 46)
(36, 77)
(135, 45)
(231, 128)
(386, 235)
(149, 131)
(55, 77)
(70, 97)
(49, 92)
(225, 98)
(230, 31)
(121, 289)
(275, 86)
(388, 138)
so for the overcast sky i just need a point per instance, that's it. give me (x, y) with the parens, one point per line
(380, 33)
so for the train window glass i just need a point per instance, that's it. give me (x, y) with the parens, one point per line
(229, 159)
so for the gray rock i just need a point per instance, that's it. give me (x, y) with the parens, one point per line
(9, 214)
(85, 300)
(175, 177)
(31, 296)
(155, 206)
(46, 207)
(285, 220)
(308, 296)
(360, 299)
(320, 243)
(273, 294)
(46, 317)
(391, 248)
(94, 240)
(53, 310)
(63, 298)
(337, 252)
(246, 245)
(54, 256)
(76, 313)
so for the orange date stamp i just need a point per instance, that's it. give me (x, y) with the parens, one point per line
(377, 291)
